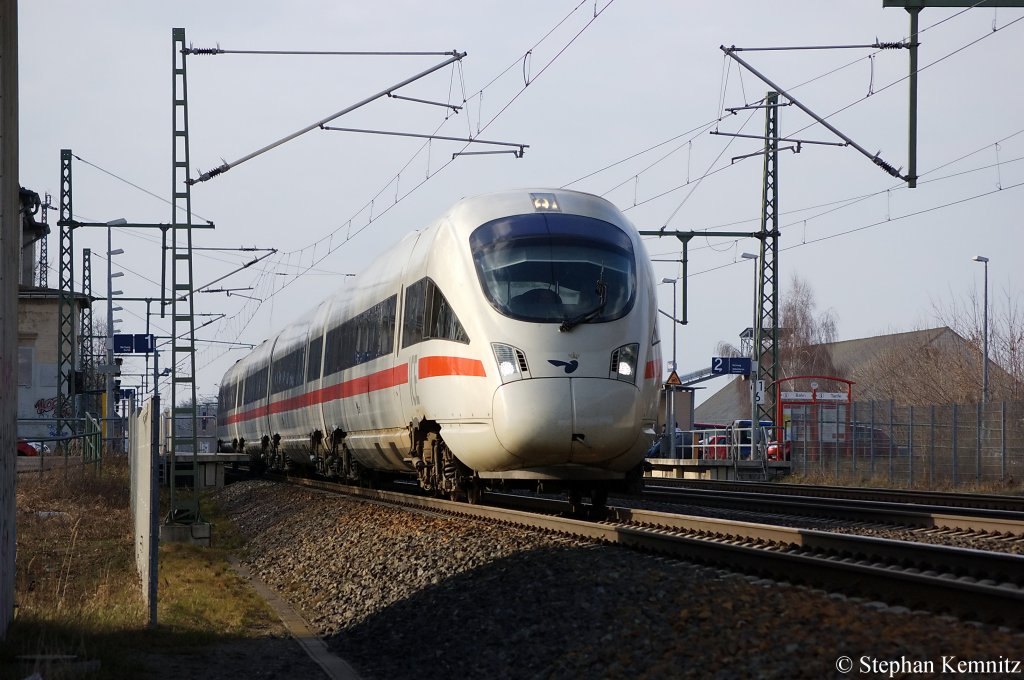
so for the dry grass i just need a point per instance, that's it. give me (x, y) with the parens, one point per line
(881, 480)
(78, 593)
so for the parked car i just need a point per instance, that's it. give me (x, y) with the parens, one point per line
(715, 447)
(774, 454)
(41, 447)
(26, 449)
(864, 439)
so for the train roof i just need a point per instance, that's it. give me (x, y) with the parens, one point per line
(469, 213)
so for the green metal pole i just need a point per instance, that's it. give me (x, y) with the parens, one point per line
(912, 129)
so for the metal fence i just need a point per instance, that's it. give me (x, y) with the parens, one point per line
(935, 446)
(61, 451)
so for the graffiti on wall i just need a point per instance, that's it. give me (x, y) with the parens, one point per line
(44, 406)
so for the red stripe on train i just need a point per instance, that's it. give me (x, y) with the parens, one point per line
(432, 367)
(429, 367)
(649, 370)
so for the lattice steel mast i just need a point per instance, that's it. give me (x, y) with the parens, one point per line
(183, 344)
(85, 335)
(44, 251)
(65, 301)
(765, 334)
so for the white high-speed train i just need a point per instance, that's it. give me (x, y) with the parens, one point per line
(513, 342)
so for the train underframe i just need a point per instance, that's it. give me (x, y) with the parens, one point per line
(437, 469)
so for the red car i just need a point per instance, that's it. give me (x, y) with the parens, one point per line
(26, 449)
(773, 451)
(716, 447)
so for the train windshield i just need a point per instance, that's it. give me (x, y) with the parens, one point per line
(553, 267)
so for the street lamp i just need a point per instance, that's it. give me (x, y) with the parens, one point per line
(754, 349)
(668, 443)
(984, 369)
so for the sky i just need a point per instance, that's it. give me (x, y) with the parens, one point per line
(617, 98)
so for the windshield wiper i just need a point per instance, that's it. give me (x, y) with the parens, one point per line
(602, 294)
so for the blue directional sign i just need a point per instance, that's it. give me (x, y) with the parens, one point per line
(124, 343)
(134, 343)
(730, 365)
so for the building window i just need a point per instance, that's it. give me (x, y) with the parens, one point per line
(25, 366)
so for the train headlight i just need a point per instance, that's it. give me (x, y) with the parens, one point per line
(511, 362)
(623, 363)
(545, 203)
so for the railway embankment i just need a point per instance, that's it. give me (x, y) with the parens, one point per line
(413, 594)
(402, 594)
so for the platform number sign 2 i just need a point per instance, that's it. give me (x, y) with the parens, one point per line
(730, 365)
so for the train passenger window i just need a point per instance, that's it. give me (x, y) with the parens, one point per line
(288, 371)
(313, 365)
(228, 397)
(364, 337)
(429, 316)
(255, 386)
(546, 267)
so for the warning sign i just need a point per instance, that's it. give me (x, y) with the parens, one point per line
(673, 379)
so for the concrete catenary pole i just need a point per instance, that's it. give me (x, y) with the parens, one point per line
(10, 236)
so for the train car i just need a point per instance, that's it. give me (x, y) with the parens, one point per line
(512, 342)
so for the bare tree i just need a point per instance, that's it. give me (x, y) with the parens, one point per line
(944, 365)
(966, 317)
(804, 332)
(727, 349)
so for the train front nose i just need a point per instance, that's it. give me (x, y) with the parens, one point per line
(551, 421)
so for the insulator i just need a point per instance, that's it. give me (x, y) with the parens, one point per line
(885, 166)
(202, 50)
(889, 45)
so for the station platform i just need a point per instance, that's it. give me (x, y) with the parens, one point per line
(723, 470)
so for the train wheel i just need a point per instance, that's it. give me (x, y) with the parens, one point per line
(473, 492)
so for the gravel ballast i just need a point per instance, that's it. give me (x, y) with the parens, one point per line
(400, 594)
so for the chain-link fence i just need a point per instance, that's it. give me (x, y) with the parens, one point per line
(937, 445)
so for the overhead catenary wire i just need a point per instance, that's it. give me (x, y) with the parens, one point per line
(919, 70)
(211, 51)
(142, 189)
(379, 213)
(348, 109)
(843, 203)
(878, 223)
(333, 247)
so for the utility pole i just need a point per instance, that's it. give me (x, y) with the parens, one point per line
(10, 247)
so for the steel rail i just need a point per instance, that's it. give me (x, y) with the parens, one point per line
(944, 498)
(979, 585)
(906, 514)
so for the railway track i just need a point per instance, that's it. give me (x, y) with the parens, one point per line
(912, 511)
(947, 499)
(977, 585)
